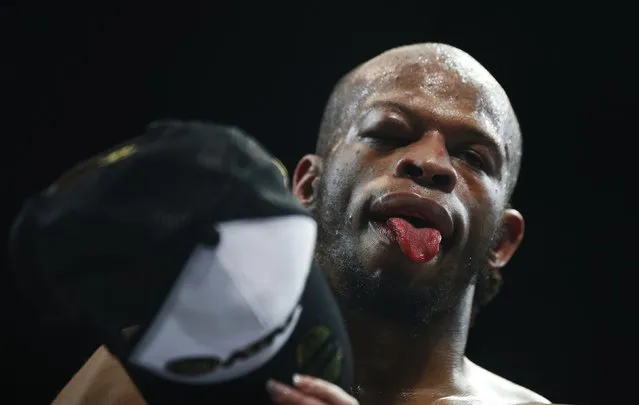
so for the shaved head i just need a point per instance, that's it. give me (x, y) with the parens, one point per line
(442, 64)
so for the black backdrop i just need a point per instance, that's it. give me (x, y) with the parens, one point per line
(82, 80)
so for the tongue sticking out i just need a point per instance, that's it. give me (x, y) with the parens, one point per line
(419, 244)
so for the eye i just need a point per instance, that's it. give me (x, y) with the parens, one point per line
(386, 130)
(473, 158)
(384, 143)
(383, 139)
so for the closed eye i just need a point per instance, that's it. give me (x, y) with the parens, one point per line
(384, 139)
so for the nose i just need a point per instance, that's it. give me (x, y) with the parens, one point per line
(428, 168)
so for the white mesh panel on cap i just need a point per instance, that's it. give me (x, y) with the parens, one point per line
(231, 296)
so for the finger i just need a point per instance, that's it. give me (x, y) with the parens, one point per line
(284, 395)
(321, 389)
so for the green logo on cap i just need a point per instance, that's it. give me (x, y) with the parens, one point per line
(319, 355)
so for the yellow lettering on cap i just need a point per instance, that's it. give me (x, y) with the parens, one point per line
(118, 155)
(280, 166)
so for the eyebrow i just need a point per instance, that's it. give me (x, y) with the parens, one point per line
(469, 129)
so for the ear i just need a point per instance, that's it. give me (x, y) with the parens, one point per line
(512, 233)
(305, 177)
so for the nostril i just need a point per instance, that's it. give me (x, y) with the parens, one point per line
(441, 180)
(413, 171)
(431, 174)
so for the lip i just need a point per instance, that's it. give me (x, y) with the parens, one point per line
(413, 205)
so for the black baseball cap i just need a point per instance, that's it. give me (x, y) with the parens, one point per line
(185, 249)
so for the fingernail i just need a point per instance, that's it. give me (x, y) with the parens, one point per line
(299, 379)
(275, 389)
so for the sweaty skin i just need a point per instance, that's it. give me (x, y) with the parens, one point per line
(429, 122)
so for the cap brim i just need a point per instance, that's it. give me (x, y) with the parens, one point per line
(317, 345)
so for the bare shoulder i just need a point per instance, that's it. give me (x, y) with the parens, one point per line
(101, 381)
(498, 389)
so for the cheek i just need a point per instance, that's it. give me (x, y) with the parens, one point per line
(479, 190)
(342, 174)
(484, 200)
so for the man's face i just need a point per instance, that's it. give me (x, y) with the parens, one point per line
(425, 142)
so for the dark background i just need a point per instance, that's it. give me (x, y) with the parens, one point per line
(79, 81)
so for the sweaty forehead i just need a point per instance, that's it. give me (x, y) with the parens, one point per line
(442, 78)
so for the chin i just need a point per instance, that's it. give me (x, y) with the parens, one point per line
(388, 296)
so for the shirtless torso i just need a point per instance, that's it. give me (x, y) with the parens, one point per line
(103, 381)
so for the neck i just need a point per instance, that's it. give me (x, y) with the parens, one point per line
(394, 363)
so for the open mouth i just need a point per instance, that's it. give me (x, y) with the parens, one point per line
(416, 211)
(419, 239)
(416, 222)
